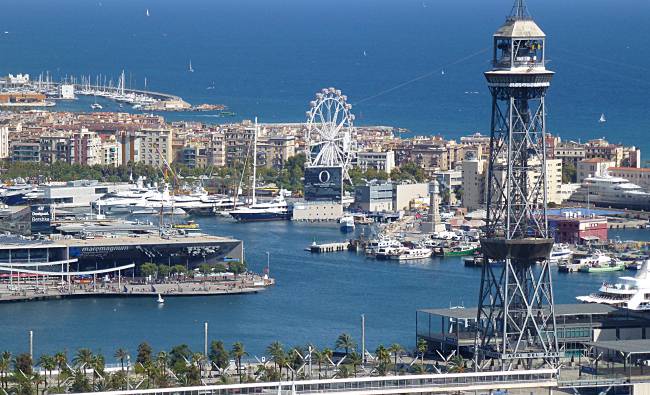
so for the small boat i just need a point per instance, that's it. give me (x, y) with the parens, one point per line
(147, 12)
(600, 263)
(602, 118)
(186, 225)
(160, 299)
(96, 106)
(460, 250)
(190, 68)
(347, 223)
(442, 72)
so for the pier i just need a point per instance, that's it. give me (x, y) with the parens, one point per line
(329, 247)
(243, 284)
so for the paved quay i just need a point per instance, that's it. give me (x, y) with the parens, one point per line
(244, 284)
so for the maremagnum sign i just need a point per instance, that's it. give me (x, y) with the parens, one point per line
(41, 218)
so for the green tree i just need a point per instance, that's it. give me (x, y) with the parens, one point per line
(48, 364)
(83, 359)
(422, 347)
(383, 356)
(568, 173)
(148, 269)
(355, 359)
(164, 270)
(121, 355)
(179, 269)
(218, 354)
(456, 364)
(205, 269)
(5, 364)
(179, 356)
(395, 349)
(236, 267)
(61, 360)
(144, 353)
(24, 363)
(327, 358)
(238, 352)
(345, 342)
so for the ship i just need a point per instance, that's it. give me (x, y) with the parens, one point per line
(347, 223)
(632, 293)
(605, 190)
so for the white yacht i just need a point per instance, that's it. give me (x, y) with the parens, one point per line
(347, 223)
(560, 253)
(631, 293)
(405, 254)
(609, 191)
(381, 244)
(276, 209)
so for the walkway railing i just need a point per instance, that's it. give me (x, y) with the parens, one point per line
(372, 385)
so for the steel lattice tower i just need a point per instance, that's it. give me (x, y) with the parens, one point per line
(516, 319)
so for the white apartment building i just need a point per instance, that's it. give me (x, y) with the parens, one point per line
(382, 161)
(474, 172)
(111, 153)
(4, 142)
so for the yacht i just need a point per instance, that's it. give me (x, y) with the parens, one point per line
(631, 293)
(96, 106)
(599, 262)
(18, 194)
(276, 209)
(347, 223)
(560, 253)
(381, 244)
(405, 254)
(609, 191)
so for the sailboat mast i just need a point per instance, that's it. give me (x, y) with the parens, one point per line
(254, 159)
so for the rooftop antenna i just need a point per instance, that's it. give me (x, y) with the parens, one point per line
(519, 11)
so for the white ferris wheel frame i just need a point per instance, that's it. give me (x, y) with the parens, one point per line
(330, 135)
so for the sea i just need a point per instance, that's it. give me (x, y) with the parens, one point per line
(413, 64)
(316, 298)
(267, 58)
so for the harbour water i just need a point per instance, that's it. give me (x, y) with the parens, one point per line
(267, 58)
(316, 297)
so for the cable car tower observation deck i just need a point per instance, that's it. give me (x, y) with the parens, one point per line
(516, 319)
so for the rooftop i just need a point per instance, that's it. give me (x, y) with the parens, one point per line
(560, 310)
(635, 346)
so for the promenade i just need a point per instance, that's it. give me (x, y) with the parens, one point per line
(243, 284)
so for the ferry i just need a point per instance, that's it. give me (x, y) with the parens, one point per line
(632, 293)
(380, 244)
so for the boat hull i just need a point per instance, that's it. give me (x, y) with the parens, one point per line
(260, 217)
(471, 251)
(602, 269)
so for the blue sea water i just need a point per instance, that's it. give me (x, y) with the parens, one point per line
(316, 298)
(267, 58)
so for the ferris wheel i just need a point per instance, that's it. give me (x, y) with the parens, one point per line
(330, 134)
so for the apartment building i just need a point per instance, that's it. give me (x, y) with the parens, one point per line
(4, 142)
(86, 148)
(592, 166)
(381, 161)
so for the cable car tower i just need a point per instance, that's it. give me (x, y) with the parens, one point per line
(516, 318)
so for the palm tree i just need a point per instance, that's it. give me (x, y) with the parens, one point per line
(121, 354)
(48, 364)
(83, 359)
(345, 342)
(356, 360)
(61, 361)
(276, 351)
(238, 351)
(395, 349)
(318, 356)
(456, 364)
(327, 357)
(383, 356)
(422, 347)
(5, 364)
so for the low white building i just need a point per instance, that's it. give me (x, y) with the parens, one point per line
(66, 91)
(317, 211)
(381, 161)
(404, 194)
(79, 193)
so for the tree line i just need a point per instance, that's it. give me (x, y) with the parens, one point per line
(85, 371)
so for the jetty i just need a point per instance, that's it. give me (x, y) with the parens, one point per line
(328, 247)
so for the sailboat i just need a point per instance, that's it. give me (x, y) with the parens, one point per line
(602, 118)
(160, 299)
(276, 209)
(95, 105)
(442, 72)
(147, 13)
(190, 69)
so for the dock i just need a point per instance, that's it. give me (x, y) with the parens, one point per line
(328, 247)
(245, 284)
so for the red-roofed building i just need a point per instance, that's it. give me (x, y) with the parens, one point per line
(573, 228)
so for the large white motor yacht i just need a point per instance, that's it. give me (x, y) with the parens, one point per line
(609, 191)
